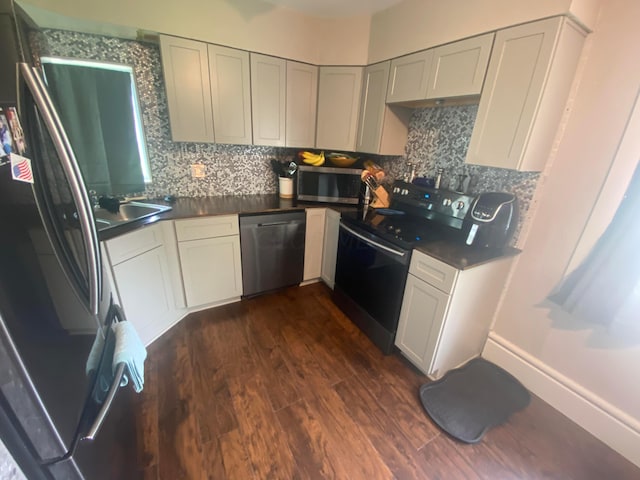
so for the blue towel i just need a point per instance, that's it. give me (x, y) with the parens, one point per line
(131, 351)
(104, 376)
(93, 361)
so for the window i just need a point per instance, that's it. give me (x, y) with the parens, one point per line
(98, 106)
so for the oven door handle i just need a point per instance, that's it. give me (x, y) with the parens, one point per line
(372, 242)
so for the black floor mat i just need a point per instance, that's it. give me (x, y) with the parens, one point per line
(469, 400)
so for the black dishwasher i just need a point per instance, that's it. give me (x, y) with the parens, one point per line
(272, 246)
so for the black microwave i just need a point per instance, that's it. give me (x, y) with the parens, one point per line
(330, 184)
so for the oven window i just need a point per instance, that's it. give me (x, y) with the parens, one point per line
(371, 277)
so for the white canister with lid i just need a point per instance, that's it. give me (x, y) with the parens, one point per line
(285, 186)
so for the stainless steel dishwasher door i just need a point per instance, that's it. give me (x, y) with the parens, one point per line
(272, 246)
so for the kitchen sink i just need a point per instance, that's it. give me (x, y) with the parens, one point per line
(129, 212)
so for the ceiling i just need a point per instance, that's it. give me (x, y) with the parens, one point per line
(335, 8)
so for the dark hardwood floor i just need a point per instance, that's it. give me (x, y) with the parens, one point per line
(284, 386)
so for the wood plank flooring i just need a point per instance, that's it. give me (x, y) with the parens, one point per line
(284, 386)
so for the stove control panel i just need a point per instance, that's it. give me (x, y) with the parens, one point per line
(444, 202)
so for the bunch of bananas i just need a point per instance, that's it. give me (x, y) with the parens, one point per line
(315, 159)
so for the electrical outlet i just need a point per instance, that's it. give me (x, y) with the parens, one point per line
(198, 170)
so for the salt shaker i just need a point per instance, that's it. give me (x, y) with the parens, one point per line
(412, 173)
(439, 173)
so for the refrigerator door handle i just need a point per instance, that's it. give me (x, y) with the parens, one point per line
(102, 414)
(74, 177)
(118, 316)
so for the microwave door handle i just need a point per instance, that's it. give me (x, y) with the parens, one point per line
(372, 242)
(76, 185)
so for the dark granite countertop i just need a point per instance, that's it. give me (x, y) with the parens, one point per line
(453, 253)
(443, 244)
(462, 256)
(192, 207)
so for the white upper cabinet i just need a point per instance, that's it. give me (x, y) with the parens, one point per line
(186, 72)
(458, 69)
(382, 128)
(453, 70)
(409, 77)
(528, 81)
(231, 94)
(338, 105)
(208, 91)
(302, 101)
(268, 99)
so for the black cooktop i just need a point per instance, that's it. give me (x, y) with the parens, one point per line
(416, 215)
(405, 231)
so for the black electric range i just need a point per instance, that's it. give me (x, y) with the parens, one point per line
(374, 253)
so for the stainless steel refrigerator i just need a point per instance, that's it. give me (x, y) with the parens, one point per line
(62, 412)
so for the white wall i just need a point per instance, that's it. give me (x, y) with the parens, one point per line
(418, 24)
(600, 366)
(247, 24)
(262, 27)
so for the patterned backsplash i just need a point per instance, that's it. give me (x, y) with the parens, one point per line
(438, 137)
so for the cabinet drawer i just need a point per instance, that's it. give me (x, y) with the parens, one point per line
(432, 271)
(135, 243)
(210, 227)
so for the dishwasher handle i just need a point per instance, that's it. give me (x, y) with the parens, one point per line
(275, 224)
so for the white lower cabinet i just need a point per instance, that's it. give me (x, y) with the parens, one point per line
(330, 246)
(313, 240)
(446, 313)
(210, 259)
(143, 282)
(421, 318)
(211, 269)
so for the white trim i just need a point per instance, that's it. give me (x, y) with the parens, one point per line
(602, 419)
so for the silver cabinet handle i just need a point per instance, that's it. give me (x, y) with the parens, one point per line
(372, 242)
(74, 177)
(102, 414)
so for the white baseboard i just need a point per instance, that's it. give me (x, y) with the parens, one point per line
(603, 420)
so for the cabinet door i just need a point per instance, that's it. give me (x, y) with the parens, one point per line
(185, 65)
(338, 100)
(145, 290)
(409, 77)
(268, 99)
(314, 235)
(458, 69)
(211, 269)
(302, 102)
(230, 94)
(330, 246)
(372, 107)
(528, 80)
(421, 319)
